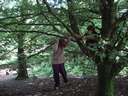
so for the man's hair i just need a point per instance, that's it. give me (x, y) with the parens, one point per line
(62, 43)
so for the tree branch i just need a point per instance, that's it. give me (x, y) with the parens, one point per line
(122, 18)
(54, 27)
(34, 14)
(15, 23)
(50, 11)
(25, 31)
(41, 50)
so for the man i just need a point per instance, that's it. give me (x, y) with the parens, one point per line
(92, 35)
(58, 61)
(92, 39)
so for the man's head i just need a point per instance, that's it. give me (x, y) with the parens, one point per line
(62, 42)
(91, 28)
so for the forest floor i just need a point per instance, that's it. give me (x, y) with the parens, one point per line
(39, 86)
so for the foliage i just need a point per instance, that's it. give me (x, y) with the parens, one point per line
(41, 26)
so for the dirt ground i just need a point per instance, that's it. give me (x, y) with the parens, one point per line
(44, 87)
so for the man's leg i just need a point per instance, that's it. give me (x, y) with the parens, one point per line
(63, 72)
(56, 74)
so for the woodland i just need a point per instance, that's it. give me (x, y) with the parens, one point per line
(28, 29)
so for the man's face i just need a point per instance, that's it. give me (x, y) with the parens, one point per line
(90, 30)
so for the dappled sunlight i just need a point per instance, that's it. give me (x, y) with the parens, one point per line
(34, 63)
(6, 74)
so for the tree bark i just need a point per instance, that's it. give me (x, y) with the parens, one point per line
(104, 68)
(22, 67)
(107, 17)
(74, 27)
(105, 81)
(105, 86)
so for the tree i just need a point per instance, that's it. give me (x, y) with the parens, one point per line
(22, 59)
(22, 67)
(74, 16)
(107, 65)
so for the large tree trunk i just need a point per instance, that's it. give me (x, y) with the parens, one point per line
(22, 68)
(104, 68)
(105, 81)
(105, 86)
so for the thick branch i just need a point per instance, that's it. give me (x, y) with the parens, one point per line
(50, 10)
(46, 17)
(75, 28)
(107, 18)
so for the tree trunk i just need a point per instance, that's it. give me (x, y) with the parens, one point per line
(105, 87)
(105, 81)
(107, 17)
(22, 68)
